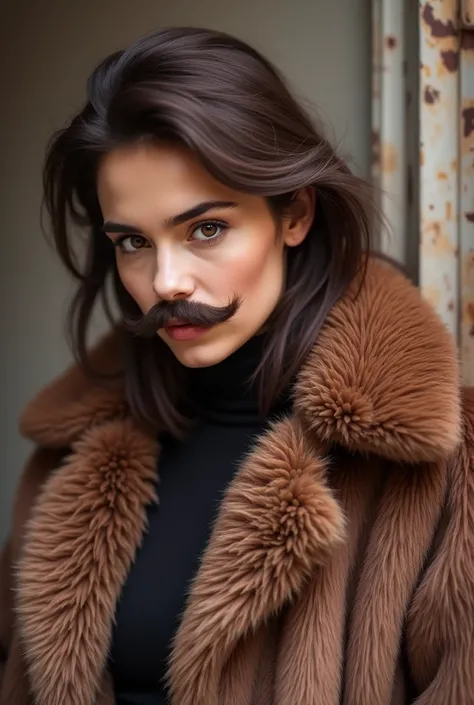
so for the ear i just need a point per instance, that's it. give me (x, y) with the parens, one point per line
(299, 216)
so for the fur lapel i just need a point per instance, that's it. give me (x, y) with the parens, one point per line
(383, 378)
(312, 645)
(80, 543)
(371, 384)
(278, 522)
(407, 516)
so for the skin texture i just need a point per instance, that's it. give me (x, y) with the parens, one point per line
(241, 252)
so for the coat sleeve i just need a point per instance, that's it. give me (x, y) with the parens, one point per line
(37, 469)
(440, 625)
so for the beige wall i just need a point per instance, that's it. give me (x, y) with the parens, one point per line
(47, 49)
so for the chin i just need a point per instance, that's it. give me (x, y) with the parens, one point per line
(200, 354)
(206, 351)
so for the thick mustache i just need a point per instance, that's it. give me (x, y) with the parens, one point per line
(188, 312)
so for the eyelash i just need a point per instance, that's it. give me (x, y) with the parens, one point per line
(216, 238)
(206, 243)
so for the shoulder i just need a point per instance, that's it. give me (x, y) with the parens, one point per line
(384, 374)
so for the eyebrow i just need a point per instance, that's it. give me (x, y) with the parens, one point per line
(194, 212)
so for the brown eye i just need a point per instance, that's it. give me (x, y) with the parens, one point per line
(137, 241)
(208, 231)
(132, 243)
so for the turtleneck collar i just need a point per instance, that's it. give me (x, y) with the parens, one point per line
(223, 393)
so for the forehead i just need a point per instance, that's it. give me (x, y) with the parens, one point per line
(139, 178)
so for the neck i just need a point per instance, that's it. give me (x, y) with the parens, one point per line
(227, 392)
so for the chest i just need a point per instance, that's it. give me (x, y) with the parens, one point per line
(193, 478)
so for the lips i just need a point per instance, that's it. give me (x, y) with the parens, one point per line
(178, 330)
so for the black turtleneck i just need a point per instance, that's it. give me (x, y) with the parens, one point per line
(193, 477)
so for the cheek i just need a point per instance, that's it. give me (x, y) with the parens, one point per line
(255, 269)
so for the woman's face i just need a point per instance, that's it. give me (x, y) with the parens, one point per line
(182, 235)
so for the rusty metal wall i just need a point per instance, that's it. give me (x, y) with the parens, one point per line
(424, 150)
(388, 121)
(466, 235)
(439, 146)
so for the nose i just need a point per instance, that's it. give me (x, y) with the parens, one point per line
(172, 280)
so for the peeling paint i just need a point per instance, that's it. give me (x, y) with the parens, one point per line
(426, 70)
(468, 121)
(434, 163)
(389, 158)
(439, 131)
(389, 101)
(467, 38)
(450, 60)
(466, 223)
(431, 95)
(438, 28)
(436, 240)
(467, 13)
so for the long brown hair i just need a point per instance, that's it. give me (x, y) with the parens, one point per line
(221, 99)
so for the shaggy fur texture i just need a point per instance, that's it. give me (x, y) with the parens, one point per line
(67, 590)
(341, 566)
(383, 377)
(278, 522)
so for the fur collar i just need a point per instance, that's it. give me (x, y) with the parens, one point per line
(382, 378)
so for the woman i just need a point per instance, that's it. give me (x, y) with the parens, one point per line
(258, 488)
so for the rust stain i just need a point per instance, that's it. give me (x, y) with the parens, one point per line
(431, 95)
(468, 117)
(389, 158)
(450, 305)
(438, 28)
(467, 40)
(470, 315)
(454, 165)
(449, 210)
(426, 70)
(450, 60)
(436, 239)
(391, 42)
(442, 176)
(431, 294)
(431, 207)
(470, 216)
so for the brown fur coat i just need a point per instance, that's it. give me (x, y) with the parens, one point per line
(341, 567)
